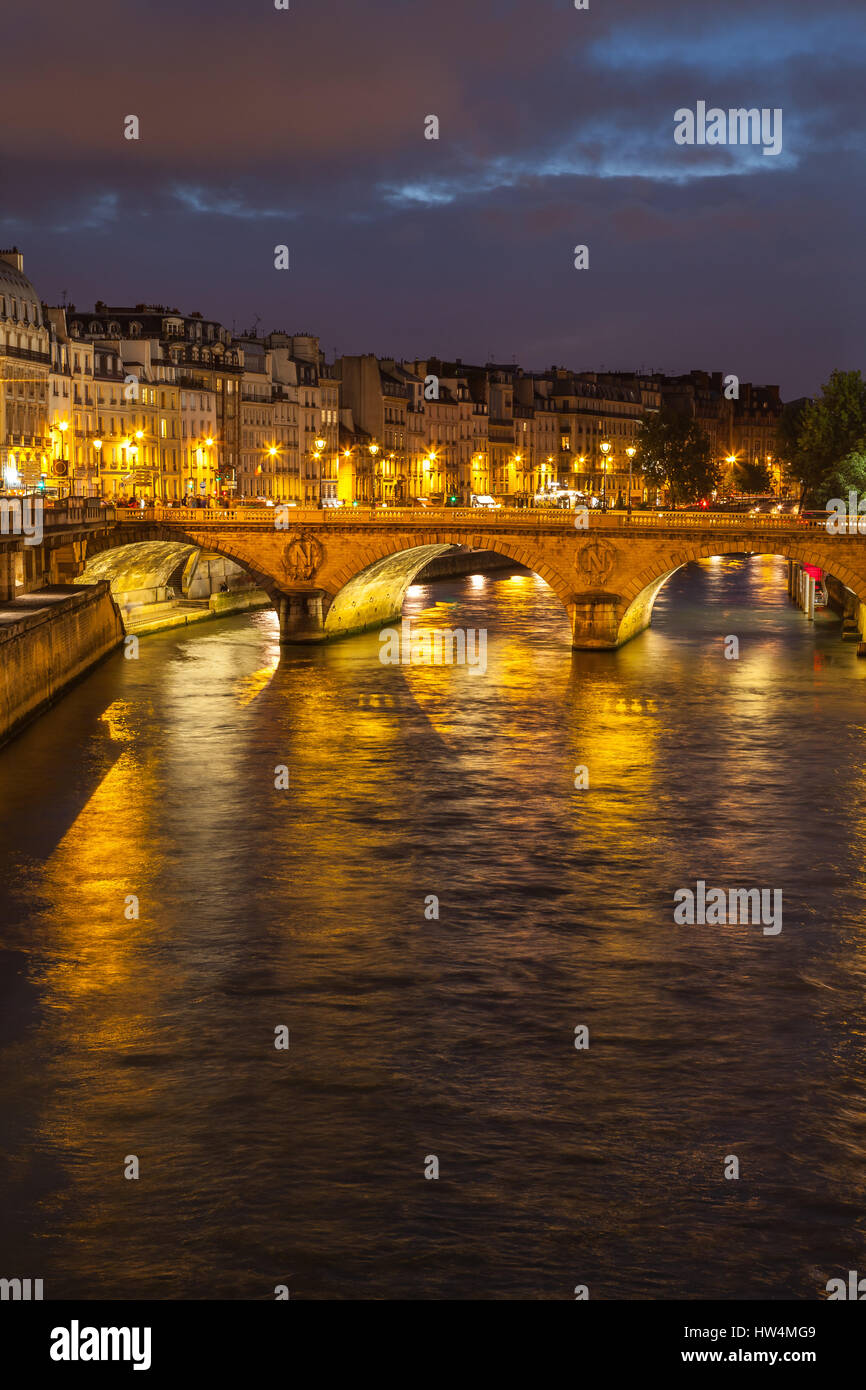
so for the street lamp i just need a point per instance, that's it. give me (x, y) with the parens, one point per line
(373, 450)
(630, 451)
(605, 449)
(97, 446)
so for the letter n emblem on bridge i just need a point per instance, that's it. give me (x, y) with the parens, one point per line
(596, 560)
(302, 557)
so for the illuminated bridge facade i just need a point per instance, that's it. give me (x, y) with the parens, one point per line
(332, 573)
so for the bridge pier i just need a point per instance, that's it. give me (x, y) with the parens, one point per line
(595, 621)
(302, 616)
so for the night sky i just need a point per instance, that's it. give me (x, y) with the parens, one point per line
(306, 127)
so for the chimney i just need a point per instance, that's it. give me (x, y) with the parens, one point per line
(14, 258)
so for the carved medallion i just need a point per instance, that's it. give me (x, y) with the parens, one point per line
(596, 560)
(302, 557)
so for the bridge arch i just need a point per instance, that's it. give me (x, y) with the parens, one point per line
(359, 599)
(157, 552)
(639, 595)
(147, 565)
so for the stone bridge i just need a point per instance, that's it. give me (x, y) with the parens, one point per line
(331, 573)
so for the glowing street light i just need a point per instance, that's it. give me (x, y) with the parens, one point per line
(320, 444)
(630, 452)
(605, 449)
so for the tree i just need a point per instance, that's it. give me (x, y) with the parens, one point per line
(788, 436)
(754, 477)
(673, 451)
(832, 436)
(849, 475)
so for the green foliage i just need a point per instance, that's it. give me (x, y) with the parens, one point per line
(832, 438)
(673, 451)
(849, 475)
(788, 436)
(753, 477)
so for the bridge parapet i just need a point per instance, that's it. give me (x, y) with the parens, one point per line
(87, 512)
(484, 518)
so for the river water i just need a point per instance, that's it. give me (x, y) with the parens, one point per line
(411, 1036)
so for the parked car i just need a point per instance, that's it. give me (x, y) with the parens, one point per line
(483, 499)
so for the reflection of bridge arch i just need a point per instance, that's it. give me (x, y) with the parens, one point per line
(373, 595)
(640, 594)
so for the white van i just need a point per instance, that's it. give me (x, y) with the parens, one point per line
(483, 499)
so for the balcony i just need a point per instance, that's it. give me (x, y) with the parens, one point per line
(25, 355)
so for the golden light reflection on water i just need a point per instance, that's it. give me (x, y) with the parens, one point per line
(412, 779)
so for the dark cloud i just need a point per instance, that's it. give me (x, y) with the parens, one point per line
(306, 127)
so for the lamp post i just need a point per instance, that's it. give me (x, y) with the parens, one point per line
(97, 449)
(373, 451)
(731, 460)
(317, 455)
(208, 465)
(630, 452)
(605, 449)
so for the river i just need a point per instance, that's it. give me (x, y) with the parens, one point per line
(412, 1036)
